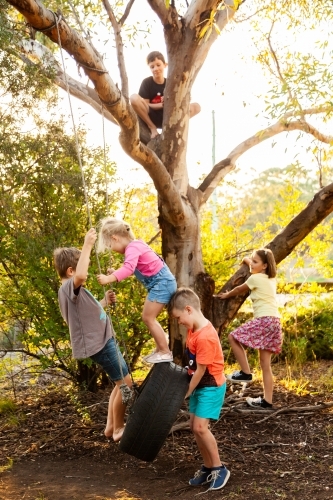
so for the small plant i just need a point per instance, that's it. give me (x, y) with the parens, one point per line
(80, 409)
(41, 496)
(298, 385)
(9, 465)
(7, 406)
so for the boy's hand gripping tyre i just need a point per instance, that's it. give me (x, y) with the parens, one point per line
(154, 411)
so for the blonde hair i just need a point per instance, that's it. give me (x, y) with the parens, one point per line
(110, 226)
(64, 258)
(182, 298)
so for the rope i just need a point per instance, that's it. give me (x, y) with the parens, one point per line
(105, 165)
(93, 69)
(110, 104)
(56, 20)
(126, 392)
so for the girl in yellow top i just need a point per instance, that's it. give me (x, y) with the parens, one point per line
(264, 331)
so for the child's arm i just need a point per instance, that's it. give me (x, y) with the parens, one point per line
(103, 279)
(196, 377)
(132, 254)
(110, 298)
(84, 260)
(238, 290)
(157, 105)
(246, 261)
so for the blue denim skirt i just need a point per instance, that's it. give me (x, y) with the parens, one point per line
(161, 286)
(109, 358)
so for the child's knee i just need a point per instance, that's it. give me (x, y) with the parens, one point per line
(147, 318)
(128, 380)
(199, 428)
(231, 339)
(135, 99)
(196, 108)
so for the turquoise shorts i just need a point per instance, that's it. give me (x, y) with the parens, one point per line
(206, 402)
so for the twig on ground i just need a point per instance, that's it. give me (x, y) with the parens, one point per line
(298, 409)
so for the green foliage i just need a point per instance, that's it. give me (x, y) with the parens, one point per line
(42, 206)
(308, 329)
(8, 466)
(225, 240)
(7, 406)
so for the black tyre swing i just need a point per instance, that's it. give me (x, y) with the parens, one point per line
(154, 411)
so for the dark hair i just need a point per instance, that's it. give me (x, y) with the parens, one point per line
(182, 298)
(155, 55)
(64, 258)
(267, 257)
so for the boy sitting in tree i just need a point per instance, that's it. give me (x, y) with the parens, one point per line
(148, 104)
(207, 386)
(90, 330)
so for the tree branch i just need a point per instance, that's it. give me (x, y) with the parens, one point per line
(282, 245)
(77, 89)
(90, 60)
(221, 169)
(198, 9)
(119, 47)
(122, 20)
(158, 6)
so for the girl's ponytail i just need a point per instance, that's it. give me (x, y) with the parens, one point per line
(110, 226)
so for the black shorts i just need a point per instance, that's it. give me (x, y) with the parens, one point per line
(156, 116)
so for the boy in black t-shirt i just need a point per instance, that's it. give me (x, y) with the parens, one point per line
(148, 104)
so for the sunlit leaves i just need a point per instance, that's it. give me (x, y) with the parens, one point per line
(209, 24)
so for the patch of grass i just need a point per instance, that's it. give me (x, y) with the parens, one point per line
(297, 385)
(9, 465)
(326, 380)
(7, 406)
(41, 496)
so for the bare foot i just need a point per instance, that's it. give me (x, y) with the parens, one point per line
(153, 133)
(118, 434)
(108, 431)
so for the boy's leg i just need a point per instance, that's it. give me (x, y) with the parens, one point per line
(109, 422)
(240, 354)
(149, 314)
(118, 409)
(112, 361)
(195, 108)
(267, 375)
(206, 441)
(141, 108)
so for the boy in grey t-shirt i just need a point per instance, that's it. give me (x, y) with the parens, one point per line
(90, 330)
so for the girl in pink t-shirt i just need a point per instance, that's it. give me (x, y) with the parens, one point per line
(150, 270)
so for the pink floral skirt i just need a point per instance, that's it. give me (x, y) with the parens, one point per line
(261, 333)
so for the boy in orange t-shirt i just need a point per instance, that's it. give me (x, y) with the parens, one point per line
(207, 386)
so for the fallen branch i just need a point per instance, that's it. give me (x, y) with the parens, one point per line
(181, 426)
(294, 409)
(259, 445)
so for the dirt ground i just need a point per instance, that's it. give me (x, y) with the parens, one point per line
(55, 439)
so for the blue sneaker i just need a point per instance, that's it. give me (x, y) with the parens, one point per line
(218, 478)
(200, 477)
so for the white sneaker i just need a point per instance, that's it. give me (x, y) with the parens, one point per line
(156, 357)
(148, 355)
